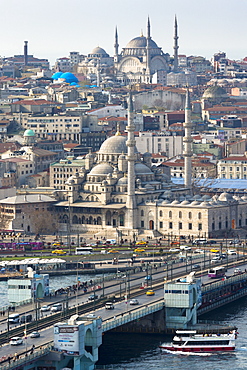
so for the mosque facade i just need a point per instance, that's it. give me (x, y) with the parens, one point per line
(120, 193)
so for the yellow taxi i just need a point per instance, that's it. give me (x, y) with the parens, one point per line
(57, 244)
(141, 243)
(113, 251)
(58, 251)
(139, 250)
(214, 250)
(150, 292)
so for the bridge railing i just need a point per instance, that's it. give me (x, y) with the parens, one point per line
(25, 358)
(134, 314)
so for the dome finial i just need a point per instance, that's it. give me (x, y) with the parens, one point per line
(142, 33)
(118, 133)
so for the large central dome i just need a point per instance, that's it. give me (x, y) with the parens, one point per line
(140, 42)
(114, 145)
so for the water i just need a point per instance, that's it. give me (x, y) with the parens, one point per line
(124, 351)
(56, 282)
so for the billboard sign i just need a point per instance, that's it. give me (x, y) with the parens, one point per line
(66, 339)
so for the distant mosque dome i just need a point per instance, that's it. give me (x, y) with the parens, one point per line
(98, 52)
(215, 92)
(141, 42)
(142, 169)
(69, 77)
(56, 75)
(29, 133)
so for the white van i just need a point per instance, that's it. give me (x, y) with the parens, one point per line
(109, 306)
(14, 318)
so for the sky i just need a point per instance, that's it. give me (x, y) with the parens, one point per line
(53, 28)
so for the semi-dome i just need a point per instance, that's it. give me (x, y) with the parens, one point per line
(29, 133)
(69, 77)
(122, 181)
(140, 42)
(114, 145)
(225, 197)
(142, 169)
(101, 169)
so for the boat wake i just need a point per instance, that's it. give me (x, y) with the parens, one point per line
(188, 353)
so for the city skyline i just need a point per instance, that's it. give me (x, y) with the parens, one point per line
(54, 28)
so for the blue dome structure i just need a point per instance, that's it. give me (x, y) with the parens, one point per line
(56, 75)
(69, 77)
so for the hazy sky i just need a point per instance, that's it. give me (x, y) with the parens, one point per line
(53, 28)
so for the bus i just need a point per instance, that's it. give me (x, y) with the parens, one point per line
(216, 272)
(83, 250)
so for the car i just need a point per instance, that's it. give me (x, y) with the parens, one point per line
(196, 267)
(45, 308)
(237, 271)
(139, 250)
(35, 334)
(141, 242)
(57, 244)
(59, 251)
(199, 251)
(235, 241)
(214, 250)
(93, 297)
(174, 250)
(223, 255)
(150, 292)
(232, 252)
(109, 306)
(148, 277)
(185, 248)
(57, 307)
(113, 251)
(134, 301)
(15, 341)
(216, 259)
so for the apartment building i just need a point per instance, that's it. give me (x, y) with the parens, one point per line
(233, 167)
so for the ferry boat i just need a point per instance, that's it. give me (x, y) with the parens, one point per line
(191, 341)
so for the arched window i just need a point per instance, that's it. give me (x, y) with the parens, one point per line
(75, 220)
(190, 215)
(170, 214)
(180, 214)
(199, 215)
(161, 214)
(142, 212)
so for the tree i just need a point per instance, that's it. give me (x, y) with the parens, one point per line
(43, 222)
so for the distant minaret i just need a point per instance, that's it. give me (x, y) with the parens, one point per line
(187, 140)
(175, 47)
(98, 73)
(148, 69)
(25, 53)
(131, 200)
(116, 45)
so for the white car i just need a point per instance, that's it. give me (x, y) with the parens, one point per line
(15, 341)
(45, 308)
(134, 301)
(232, 252)
(174, 250)
(185, 248)
(199, 251)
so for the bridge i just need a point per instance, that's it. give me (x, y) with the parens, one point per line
(214, 294)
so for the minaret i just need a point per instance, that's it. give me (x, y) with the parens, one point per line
(116, 45)
(98, 73)
(25, 53)
(187, 140)
(131, 200)
(175, 47)
(148, 69)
